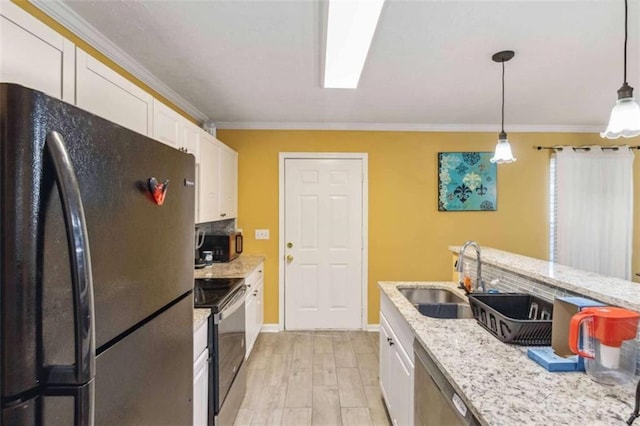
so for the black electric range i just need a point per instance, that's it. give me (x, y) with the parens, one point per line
(215, 293)
(227, 375)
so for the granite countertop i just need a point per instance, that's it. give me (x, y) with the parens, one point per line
(240, 267)
(499, 383)
(200, 316)
(614, 291)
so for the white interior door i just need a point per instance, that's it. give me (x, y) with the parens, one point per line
(323, 236)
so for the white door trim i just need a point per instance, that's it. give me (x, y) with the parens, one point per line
(365, 223)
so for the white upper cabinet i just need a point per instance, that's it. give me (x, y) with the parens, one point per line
(228, 164)
(218, 180)
(33, 55)
(167, 125)
(191, 144)
(191, 139)
(104, 92)
(172, 129)
(208, 192)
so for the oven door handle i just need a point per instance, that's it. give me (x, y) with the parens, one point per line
(234, 304)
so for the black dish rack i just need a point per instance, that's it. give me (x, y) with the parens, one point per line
(519, 319)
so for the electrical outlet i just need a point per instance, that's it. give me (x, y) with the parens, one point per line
(262, 234)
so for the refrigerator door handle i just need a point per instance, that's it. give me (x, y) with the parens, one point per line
(83, 369)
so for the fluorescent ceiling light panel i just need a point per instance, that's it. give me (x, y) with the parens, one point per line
(350, 28)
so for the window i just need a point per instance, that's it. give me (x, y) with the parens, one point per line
(591, 209)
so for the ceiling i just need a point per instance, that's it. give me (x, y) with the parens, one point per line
(258, 64)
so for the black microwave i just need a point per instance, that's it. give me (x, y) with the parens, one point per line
(225, 248)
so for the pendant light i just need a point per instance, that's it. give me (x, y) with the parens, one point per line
(503, 149)
(625, 115)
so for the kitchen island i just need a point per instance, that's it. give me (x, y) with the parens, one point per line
(498, 382)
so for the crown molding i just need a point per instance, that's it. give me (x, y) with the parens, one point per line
(404, 127)
(88, 33)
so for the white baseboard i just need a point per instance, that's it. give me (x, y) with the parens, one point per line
(270, 328)
(275, 328)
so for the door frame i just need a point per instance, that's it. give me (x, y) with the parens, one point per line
(364, 157)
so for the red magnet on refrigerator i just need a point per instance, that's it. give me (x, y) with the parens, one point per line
(158, 190)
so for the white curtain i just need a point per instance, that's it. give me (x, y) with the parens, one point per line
(595, 210)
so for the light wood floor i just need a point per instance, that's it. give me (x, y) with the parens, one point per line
(313, 378)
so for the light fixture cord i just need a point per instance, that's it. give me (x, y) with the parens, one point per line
(625, 40)
(502, 124)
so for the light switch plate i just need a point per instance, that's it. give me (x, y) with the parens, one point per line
(262, 234)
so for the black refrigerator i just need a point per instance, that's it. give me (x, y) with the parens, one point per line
(96, 269)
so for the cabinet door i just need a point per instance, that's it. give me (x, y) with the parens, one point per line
(250, 321)
(106, 93)
(208, 179)
(196, 211)
(201, 389)
(167, 125)
(260, 306)
(191, 138)
(228, 182)
(35, 56)
(385, 359)
(401, 373)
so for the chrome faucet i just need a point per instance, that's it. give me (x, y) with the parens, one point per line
(478, 263)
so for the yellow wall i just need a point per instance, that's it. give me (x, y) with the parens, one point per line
(47, 20)
(408, 236)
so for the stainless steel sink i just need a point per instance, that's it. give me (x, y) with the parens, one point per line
(437, 303)
(445, 310)
(430, 295)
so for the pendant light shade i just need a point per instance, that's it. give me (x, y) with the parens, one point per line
(625, 115)
(624, 120)
(503, 152)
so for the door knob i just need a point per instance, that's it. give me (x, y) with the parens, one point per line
(289, 258)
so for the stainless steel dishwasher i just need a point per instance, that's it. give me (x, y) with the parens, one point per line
(435, 402)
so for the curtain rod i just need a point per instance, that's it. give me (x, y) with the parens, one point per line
(586, 148)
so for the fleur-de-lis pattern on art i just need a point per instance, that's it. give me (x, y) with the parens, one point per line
(466, 181)
(463, 192)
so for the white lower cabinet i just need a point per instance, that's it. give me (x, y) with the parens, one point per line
(200, 376)
(396, 371)
(201, 389)
(253, 306)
